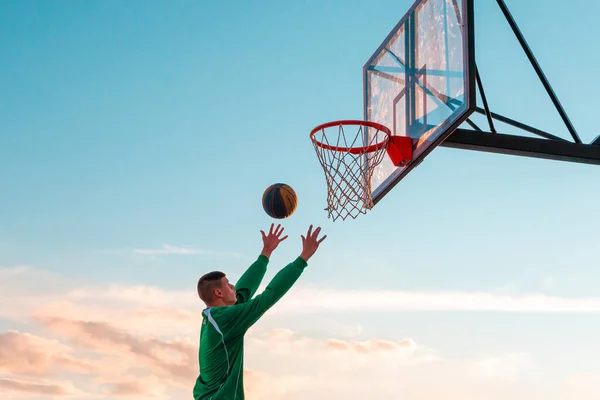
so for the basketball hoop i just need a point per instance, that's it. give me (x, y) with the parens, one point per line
(349, 162)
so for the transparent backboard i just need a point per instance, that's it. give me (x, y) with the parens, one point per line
(420, 82)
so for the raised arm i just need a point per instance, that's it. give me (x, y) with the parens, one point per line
(240, 317)
(250, 280)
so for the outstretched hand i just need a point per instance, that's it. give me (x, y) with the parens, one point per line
(272, 240)
(310, 244)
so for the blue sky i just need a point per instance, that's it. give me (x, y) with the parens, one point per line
(133, 125)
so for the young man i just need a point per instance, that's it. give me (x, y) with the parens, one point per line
(231, 311)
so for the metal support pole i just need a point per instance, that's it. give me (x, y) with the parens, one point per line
(484, 100)
(538, 70)
(523, 146)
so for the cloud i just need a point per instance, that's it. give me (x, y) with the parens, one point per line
(507, 367)
(170, 358)
(29, 292)
(26, 291)
(7, 272)
(104, 342)
(167, 249)
(38, 388)
(26, 354)
(370, 346)
(281, 364)
(259, 385)
(306, 300)
(131, 386)
(548, 282)
(128, 388)
(108, 361)
(581, 386)
(332, 368)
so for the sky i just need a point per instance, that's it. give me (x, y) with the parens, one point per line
(137, 138)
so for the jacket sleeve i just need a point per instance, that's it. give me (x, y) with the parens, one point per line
(239, 318)
(250, 280)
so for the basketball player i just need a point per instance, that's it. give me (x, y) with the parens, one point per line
(231, 311)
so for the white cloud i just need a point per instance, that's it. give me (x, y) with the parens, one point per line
(167, 249)
(507, 289)
(11, 271)
(306, 300)
(548, 282)
(25, 291)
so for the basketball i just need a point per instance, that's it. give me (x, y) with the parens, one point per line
(279, 201)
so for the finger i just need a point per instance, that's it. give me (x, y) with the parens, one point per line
(320, 240)
(271, 229)
(283, 238)
(309, 231)
(316, 232)
(263, 234)
(303, 239)
(279, 230)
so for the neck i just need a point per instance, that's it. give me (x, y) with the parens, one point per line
(216, 303)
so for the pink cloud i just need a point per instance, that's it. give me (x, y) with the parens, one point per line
(26, 354)
(141, 343)
(135, 387)
(370, 346)
(39, 388)
(175, 358)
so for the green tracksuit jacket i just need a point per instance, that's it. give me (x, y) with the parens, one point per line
(221, 355)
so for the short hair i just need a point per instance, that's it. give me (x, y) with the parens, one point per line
(207, 285)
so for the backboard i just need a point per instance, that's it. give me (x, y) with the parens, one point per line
(420, 82)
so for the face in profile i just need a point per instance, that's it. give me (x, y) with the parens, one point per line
(226, 292)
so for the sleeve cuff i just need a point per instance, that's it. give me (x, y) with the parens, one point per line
(301, 262)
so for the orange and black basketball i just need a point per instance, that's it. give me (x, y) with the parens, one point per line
(279, 201)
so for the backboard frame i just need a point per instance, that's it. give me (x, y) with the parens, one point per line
(543, 145)
(470, 95)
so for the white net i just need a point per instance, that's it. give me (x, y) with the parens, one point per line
(348, 160)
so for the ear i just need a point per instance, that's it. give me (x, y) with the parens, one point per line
(218, 293)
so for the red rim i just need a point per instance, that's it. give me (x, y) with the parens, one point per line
(352, 150)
